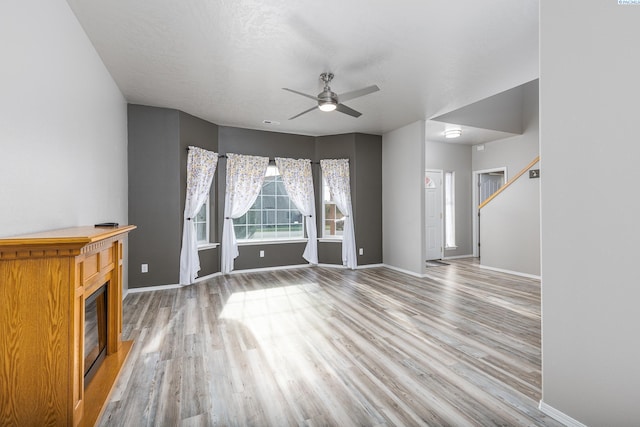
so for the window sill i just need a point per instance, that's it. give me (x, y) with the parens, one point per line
(208, 246)
(269, 242)
(330, 239)
(450, 248)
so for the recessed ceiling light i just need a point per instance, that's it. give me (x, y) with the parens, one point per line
(270, 122)
(452, 133)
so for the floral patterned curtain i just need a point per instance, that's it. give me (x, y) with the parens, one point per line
(201, 165)
(336, 173)
(245, 175)
(298, 181)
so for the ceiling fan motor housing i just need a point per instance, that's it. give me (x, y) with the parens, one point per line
(327, 97)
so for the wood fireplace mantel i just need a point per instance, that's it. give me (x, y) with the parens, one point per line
(44, 281)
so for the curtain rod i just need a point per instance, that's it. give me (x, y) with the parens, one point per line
(271, 160)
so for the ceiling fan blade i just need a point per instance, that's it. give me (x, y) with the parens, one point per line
(358, 93)
(304, 112)
(346, 110)
(300, 93)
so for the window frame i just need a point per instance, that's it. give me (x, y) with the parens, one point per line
(324, 199)
(449, 194)
(207, 221)
(291, 208)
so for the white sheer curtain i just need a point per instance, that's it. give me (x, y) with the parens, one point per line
(336, 173)
(201, 165)
(298, 181)
(245, 175)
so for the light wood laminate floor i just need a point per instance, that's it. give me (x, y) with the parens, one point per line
(324, 346)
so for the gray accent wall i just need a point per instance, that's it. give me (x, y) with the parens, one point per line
(589, 91)
(154, 195)
(267, 144)
(365, 168)
(158, 141)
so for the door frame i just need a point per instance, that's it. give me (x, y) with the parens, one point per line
(475, 219)
(424, 237)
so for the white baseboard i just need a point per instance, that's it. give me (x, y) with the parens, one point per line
(362, 267)
(340, 266)
(559, 415)
(402, 270)
(252, 270)
(280, 267)
(459, 256)
(165, 287)
(515, 273)
(152, 288)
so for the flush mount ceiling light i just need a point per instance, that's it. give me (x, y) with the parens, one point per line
(452, 133)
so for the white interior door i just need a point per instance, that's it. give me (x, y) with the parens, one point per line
(434, 222)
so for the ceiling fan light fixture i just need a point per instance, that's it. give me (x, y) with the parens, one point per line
(452, 133)
(327, 106)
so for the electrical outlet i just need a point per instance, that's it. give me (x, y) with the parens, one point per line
(144, 268)
(361, 251)
(261, 254)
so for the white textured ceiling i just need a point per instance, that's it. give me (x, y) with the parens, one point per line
(227, 61)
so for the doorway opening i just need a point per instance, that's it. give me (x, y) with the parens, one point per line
(485, 183)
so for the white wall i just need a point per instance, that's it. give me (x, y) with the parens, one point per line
(455, 158)
(402, 197)
(510, 223)
(63, 124)
(590, 148)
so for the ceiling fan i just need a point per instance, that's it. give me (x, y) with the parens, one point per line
(329, 100)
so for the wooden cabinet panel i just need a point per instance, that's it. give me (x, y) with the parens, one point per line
(44, 281)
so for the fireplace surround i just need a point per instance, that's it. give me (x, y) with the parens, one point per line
(45, 280)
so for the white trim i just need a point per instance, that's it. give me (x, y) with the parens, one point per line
(340, 266)
(279, 267)
(330, 239)
(401, 270)
(365, 266)
(165, 287)
(515, 273)
(559, 415)
(153, 288)
(269, 242)
(459, 256)
(206, 246)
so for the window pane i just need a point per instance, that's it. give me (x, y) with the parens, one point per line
(268, 202)
(254, 217)
(282, 202)
(449, 210)
(296, 216)
(241, 231)
(252, 230)
(201, 232)
(257, 204)
(282, 217)
(269, 188)
(272, 214)
(297, 231)
(201, 216)
(269, 217)
(241, 220)
(280, 188)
